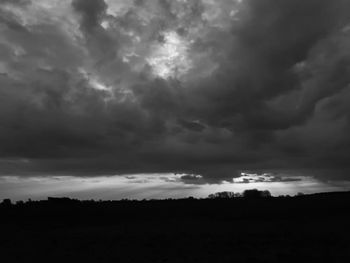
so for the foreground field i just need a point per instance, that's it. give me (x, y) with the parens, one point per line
(304, 229)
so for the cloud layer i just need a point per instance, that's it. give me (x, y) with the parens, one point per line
(199, 87)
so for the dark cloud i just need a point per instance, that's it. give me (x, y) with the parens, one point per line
(94, 87)
(192, 125)
(91, 11)
(192, 179)
(16, 2)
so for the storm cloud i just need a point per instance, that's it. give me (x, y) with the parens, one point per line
(204, 88)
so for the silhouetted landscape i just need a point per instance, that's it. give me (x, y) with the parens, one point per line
(225, 227)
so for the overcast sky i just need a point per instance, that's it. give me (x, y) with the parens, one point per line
(201, 93)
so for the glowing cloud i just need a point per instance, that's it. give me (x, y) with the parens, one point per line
(169, 58)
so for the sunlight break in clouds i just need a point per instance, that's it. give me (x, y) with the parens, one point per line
(169, 58)
(147, 186)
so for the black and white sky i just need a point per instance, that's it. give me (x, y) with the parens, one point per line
(158, 98)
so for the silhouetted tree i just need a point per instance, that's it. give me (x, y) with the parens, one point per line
(255, 193)
(61, 201)
(6, 202)
(266, 193)
(222, 195)
(238, 195)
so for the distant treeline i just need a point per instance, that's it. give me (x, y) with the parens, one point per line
(250, 194)
(247, 194)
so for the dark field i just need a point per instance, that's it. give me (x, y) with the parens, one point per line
(300, 229)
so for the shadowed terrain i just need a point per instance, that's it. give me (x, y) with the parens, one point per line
(309, 228)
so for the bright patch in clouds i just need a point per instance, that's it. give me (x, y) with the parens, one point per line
(169, 58)
(149, 186)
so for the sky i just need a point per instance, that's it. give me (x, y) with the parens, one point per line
(120, 99)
